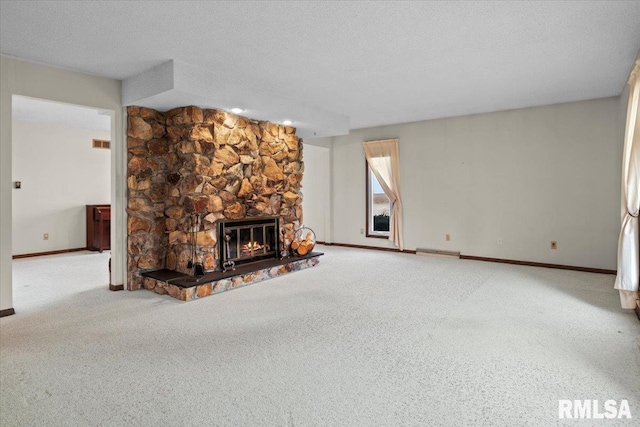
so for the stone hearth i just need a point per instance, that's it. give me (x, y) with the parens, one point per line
(188, 288)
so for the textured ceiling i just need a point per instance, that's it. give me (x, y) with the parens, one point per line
(373, 63)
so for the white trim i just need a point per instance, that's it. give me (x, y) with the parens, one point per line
(371, 231)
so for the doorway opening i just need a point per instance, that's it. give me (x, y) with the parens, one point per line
(58, 170)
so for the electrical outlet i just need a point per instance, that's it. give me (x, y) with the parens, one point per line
(45, 236)
(447, 237)
(554, 244)
(362, 231)
(499, 241)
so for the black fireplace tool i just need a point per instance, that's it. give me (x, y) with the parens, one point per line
(198, 268)
(228, 264)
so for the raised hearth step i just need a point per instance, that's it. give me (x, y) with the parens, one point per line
(164, 274)
(184, 281)
(188, 288)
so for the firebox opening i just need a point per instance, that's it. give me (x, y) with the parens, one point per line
(248, 240)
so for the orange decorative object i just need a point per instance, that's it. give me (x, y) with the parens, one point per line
(304, 240)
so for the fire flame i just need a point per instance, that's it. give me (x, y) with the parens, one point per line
(253, 246)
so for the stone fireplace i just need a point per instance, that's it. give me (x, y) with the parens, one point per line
(226, 169)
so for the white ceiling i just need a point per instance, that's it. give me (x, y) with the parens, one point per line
(334, 66)
(26, 109)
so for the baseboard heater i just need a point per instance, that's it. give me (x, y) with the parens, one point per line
(437, 252)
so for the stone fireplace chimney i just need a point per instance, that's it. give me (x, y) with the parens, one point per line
(215, 164)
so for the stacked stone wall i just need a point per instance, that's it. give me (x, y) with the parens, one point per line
(210, 163)
(147, 191)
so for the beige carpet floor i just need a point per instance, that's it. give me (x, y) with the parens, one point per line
(366, 338)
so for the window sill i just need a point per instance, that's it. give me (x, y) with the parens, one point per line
(378, 236)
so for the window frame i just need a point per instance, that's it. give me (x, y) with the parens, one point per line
(369, 232)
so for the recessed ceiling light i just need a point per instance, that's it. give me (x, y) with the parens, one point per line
(237, 110)
(287, 122)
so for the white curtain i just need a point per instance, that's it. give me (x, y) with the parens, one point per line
(384, 160)
(628, 244)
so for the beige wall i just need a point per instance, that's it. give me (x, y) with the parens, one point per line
(316, 189)
(524, 177)
(60, 173)
(39, 81)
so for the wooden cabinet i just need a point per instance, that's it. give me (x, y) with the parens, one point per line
(98, 227)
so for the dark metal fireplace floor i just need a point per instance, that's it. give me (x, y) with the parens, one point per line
(184, 281)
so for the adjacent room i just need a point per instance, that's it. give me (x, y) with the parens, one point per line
(61, 167)
(319, 213)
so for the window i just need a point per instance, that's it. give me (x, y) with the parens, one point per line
(378, 208)
(384, 217)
